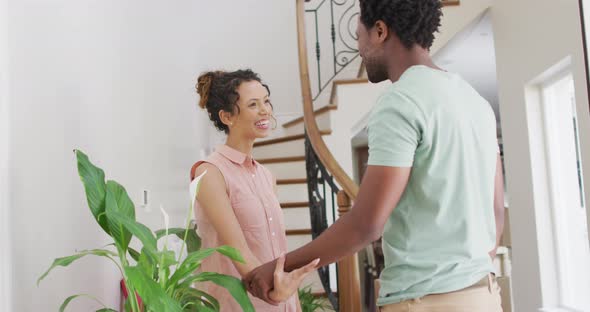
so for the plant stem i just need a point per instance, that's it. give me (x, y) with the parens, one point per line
(162, 278)
(188, 222)
(130, 289)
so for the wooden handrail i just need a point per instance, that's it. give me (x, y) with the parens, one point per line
(318, 144)
(349, 284)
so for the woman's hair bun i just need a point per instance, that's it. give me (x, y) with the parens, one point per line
(204, 87)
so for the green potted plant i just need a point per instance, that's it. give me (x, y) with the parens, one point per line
(161, 278)
(310, 302)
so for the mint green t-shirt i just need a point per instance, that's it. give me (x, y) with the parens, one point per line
(438, 236)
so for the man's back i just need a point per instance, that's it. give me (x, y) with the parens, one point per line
(438, 237)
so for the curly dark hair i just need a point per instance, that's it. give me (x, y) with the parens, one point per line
(413, 21)
(219, 91)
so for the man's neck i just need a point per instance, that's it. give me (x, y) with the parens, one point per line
(406, 58)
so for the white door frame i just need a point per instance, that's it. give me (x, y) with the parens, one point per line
(5, 230)
(585, 20)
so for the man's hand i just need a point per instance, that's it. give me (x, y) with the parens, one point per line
(259, 281)
(281, 285)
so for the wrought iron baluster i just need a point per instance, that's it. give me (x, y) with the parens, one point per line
(333, 36)
(343, 40)
(317, 50)
(317, 176)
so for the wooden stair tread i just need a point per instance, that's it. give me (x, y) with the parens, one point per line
(339, 82)
(287, 138)
(298, 232)
(450, 2)
(291, 181)
(295, 205)
(281, 159)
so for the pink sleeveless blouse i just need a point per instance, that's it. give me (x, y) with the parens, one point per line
(250, 188)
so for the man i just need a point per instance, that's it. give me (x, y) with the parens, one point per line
(433, 186)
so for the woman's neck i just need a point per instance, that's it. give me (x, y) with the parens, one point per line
(240, 144)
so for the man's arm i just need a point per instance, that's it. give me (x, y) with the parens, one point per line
(380, 191)
(498, 205)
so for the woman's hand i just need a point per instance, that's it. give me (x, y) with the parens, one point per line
(286, 284)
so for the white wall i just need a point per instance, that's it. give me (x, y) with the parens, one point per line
(456, 18)
(355, 102)
(5, 258)
(531, 36)
(116, 79)
(586, 8)
(256, 34)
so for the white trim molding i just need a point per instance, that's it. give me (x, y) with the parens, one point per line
(5, 226)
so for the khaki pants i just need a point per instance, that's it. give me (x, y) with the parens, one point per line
(484, 296)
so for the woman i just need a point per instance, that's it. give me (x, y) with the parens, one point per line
(236, 203)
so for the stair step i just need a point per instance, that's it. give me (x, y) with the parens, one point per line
(287, 138)
(316, 112)
(287, 170)
(324, 122)
(296, 241)
(281, 160)
(289, 193)
(291, 181)
(282, 149)
(340, 82)
(298, 232)
(297, 218)
(295, 205)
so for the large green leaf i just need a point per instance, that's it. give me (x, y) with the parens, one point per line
(194, 259)
(167, 258)
(231, 252)
(183, 277)
(133, 253)
(187, 283)
(193, 241)
(67, 301)
(192, 296)
(117, 200)
(147, 264)
(233, 285)
(70, 298)
(150, 292)
(140, 231)
(65, 261)
(93, 179)
(189, 265)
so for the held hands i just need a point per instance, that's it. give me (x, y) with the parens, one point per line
(272, 284)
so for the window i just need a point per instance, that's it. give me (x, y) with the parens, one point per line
(566, 195)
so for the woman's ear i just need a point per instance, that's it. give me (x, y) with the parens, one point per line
(226, 118)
